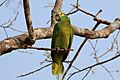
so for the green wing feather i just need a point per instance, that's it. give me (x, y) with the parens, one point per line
(55, 34)
(62, 38)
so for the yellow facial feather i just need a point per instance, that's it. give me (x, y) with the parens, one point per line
(61, 13)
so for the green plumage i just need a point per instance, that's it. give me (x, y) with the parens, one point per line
(62, 38)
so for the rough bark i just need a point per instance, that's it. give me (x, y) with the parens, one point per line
(28, 19)
(20, 41)
(103, 33)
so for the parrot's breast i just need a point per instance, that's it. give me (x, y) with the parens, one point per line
(61, 39)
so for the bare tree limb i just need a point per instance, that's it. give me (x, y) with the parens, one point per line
(108, 72)
(3, 2)
(29, 22)
(23, 75)
(103, 33)
(94, 65)
(111, 47)
(58, 5)
(87, 13)
(56, 9)
(8, 25)
(86, 74)
(20, 40)
(46, 49)
(45, 33)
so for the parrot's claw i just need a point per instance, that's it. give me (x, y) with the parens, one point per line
(65, 49)
(57, 49)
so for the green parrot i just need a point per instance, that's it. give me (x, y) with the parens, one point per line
(62, 39)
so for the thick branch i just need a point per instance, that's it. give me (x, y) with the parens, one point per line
(56, 9)
(19, 41)
(29, 21)
(8, 44)
(58, 5)
(103, 33)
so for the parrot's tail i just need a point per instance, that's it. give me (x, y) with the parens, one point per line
(57, 68)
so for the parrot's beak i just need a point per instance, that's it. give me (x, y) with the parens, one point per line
(57, 17)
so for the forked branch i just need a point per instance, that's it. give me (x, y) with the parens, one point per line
(45, 33)
(28, 18)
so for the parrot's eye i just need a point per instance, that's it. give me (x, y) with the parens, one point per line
(62, 14)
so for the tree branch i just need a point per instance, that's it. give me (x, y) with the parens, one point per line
(19, 41)
(29, 22)
(94, 65)
(56, 9)
(45, 33)
(103, 33)
(3, 2)
(87, 13)
(58, 5)
(46, 49)
(23, 75)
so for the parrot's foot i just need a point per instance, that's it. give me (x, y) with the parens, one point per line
(57, 49)
(66, 50)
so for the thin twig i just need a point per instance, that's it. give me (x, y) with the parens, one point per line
(100, 63)
(77, 4)
(5, 32)
(95, 56)
(12, 20)
(86, 74)
(48, 49)
(8, 24)
(87, 13)
(95, 51)
(3, 2)
(108, 72)
(72, 12)
(95, 18)
(23, 75)
(112, 46)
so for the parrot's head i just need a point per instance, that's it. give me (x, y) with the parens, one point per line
(61, 16)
